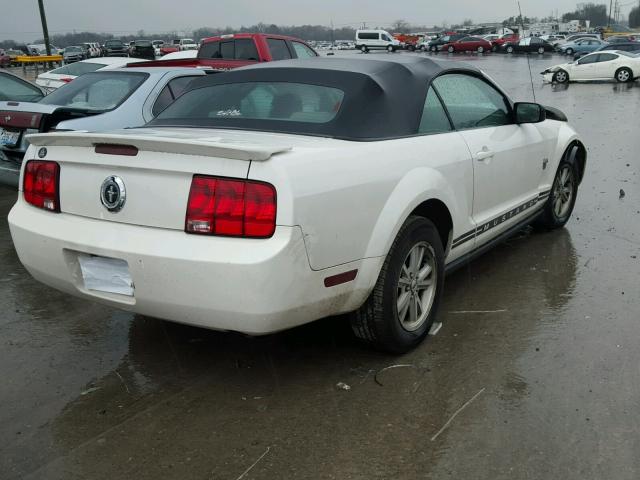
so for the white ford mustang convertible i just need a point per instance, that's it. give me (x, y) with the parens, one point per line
(278, 194)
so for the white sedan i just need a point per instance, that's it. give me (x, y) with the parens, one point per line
(61, 76)
(278, 194)
(602, 65)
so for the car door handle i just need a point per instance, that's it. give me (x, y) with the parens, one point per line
(484, 155)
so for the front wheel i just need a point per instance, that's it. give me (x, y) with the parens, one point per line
(562, 198)
(480, 49)
(540, 50)
(561, 76)
(433, 49)
(390, 49)
(399, 312)
(509, 49)
(364, 49)
(569, 51)
(624, 75)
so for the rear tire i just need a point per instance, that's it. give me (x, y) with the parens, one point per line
(541, 51)
(451, 50)
(624, 75)
(562, 199)
(569, 51)
(403, 305)
(433, 49)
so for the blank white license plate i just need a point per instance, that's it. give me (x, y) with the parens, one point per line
(8, 137)
(103, 274)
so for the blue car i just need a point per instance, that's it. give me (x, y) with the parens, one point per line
(582, 46)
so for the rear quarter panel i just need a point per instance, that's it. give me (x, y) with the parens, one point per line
(351, 198)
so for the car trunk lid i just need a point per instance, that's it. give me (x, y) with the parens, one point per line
(156, 168)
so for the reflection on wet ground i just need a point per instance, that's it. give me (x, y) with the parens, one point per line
(540, 333)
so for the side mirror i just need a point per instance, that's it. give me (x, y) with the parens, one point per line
(526, 112)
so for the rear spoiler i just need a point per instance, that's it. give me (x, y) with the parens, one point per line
(211, 147)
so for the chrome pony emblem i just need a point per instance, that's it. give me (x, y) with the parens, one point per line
(113, 194)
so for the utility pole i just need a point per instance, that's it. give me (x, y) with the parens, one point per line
(45, 30)
(609, 16)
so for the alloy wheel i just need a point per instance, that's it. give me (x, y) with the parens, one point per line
(623, 76)
(563, 191)
(416, 288)
(561, 77)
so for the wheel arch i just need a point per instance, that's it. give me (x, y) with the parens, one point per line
(437, 212)
(576, 153)
(423, 193)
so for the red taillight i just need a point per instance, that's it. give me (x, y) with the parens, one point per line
(227, 207)
(41, 180)
(20, 119)
(66, 79)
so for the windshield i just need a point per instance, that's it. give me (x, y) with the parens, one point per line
(114, 43)
(142, 43)
(72, 49)
(187, 40)
(266, 101)
(99, 91)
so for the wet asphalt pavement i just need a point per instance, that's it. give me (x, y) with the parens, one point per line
(535, 374)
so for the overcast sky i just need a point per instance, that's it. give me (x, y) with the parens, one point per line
(19, 19)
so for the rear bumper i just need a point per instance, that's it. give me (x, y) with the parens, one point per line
(251, 286)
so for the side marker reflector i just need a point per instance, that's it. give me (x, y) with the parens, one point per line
(340, 278)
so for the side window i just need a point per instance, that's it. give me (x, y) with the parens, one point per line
(246, 50)
(279, 49)
(227, 50)
(170, 92)
(588, 59)
(434, 118)
(606, 57)
(209, 50)
(385, 37)
(472, 102)
(302, 51)
(163, 101)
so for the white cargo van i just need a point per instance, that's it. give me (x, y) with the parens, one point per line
(376, 40)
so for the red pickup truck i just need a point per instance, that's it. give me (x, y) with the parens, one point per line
(226, 52)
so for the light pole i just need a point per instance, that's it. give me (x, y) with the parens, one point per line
(45, 30)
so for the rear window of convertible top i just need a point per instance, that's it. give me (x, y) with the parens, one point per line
(268, 101)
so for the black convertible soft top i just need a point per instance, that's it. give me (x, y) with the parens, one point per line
(384, 97)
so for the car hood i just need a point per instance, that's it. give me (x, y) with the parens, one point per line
(555, 68)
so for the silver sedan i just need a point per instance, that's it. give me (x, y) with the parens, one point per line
(97, 101)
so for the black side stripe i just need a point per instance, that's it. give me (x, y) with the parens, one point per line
(500, 219)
